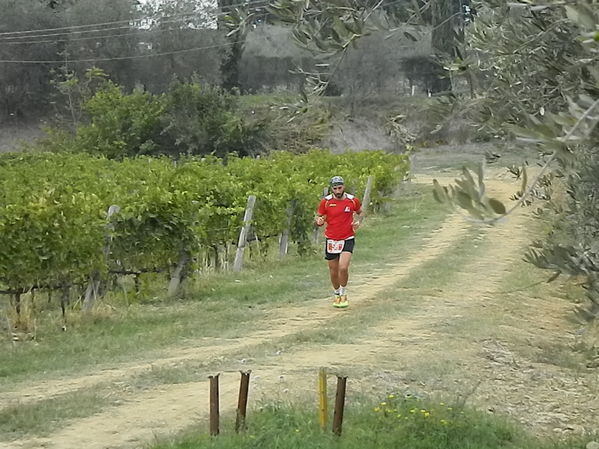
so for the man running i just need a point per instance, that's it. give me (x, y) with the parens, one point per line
(338, 210)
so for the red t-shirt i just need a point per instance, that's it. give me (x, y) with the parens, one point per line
(339, 215)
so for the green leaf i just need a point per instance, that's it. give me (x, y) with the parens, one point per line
(464, 200)
(497, 206)
(581, 15)
(439, 192)
(410, 36)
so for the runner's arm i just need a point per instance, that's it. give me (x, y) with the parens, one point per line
(320, 219)
(358, 218)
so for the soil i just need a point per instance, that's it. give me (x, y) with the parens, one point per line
(470, 340)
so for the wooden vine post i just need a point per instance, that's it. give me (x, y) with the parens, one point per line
(367, 191)
(322, 396)
(247, 218)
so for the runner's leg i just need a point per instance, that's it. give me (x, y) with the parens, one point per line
(334, 272)
(344, 260)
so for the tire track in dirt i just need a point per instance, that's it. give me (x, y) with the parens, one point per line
(284, 322)
(410, 339)
(177, 405)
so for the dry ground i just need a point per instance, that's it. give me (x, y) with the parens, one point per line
(470, 338)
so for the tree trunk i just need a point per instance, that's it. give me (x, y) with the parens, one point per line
(447, 35)
(64, 301)
(231, 60)
(177, 276)
(91, 292)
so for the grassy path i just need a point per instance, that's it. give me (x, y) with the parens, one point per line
(429, 314)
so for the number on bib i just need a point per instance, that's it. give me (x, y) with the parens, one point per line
(335, 246)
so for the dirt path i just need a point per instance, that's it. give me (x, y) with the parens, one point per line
(463, 338)
(283, 322)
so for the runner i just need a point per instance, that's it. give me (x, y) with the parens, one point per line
(338, 210)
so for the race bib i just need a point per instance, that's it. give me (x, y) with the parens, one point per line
(335, 246)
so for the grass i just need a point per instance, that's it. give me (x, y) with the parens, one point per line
(43, 417)
(230, 305)
(224, 305)
(397, 422)
(117, 336)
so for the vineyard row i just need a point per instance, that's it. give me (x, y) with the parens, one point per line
(66, 218)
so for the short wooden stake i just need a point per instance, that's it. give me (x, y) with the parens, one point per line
(284, 238)
(366, 199)
(214, 405)
(247, 218)
(322, 394)
(242, 403)
(325, 192)
(339, 405)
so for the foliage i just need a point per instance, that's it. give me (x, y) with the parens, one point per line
(27, 86)
(203, 120)
(55, 228)
(296, 127)
(406, 422)
(188, 119)
(136, 44)
(22, 87)
(174, 26)
(74, 92)
(329, 28)
(120, 125)
(541, 69)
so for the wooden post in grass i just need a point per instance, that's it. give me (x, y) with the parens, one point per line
(325, 192)
(322, 395)
(284, 238)
(242, 403)
(366, 199)
(214, 405)
(339, 405)
(247, 217)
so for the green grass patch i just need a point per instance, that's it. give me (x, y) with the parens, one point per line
(115, 337)
(440, 271)
(220, 305)
(42, 417)
(395, 423)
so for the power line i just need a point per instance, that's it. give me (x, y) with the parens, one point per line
(125, 21)
(118, 58)
(4, 40)
(32, 34)
(69, 38)
(150, 55)
(68, 33)
(106, 36)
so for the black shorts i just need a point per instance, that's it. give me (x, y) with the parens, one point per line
(348, 247)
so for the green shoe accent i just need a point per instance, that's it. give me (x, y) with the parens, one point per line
(343, 303)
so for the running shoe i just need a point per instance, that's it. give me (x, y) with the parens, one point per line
(343, 303)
